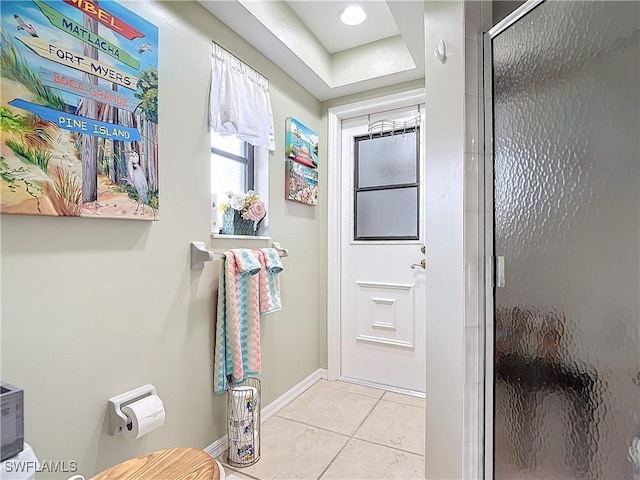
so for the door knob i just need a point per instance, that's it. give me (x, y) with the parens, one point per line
(423, 264)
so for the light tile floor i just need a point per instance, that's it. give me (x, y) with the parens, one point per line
(338, 430)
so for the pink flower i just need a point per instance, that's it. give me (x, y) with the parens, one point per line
(255, 212)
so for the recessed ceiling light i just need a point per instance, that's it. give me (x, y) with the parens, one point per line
(353, 15)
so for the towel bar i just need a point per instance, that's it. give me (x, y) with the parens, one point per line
(200, 254)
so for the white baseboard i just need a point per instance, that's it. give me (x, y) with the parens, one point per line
(219, 447)
(403, 391)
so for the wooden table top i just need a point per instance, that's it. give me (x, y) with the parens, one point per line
(170, 464)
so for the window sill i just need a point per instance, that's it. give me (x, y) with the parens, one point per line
(238, 237)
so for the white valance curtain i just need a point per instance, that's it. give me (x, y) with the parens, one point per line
(240, 102)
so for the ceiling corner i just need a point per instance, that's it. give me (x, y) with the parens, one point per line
(280, 34)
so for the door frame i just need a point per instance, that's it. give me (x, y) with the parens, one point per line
(489, 374)
(335, 115)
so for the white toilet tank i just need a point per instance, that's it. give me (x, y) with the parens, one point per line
(22, 466)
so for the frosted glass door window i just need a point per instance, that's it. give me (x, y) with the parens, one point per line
(566, 128)
(379, 213)
(390, 160)
(386, 199)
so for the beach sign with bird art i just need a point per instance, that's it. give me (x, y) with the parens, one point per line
(78, 110)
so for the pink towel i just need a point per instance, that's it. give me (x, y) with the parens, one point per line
(237, 351)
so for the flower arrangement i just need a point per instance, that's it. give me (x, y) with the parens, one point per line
(242, 213)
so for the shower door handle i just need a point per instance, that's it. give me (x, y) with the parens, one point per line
(500, 272)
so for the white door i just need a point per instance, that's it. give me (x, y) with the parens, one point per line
(383, 297)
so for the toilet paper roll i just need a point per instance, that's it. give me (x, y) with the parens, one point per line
(241, 453)
(241, 433)
(144, 415)
(243, 402)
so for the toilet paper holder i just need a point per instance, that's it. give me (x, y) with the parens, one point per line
(117, 419)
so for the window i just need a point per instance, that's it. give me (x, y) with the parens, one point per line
(386, 197)
(237, 166)
(232, 166)
(242, 118)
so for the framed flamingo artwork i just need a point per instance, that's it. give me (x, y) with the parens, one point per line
(78, 110)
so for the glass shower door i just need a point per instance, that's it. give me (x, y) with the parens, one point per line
(566, 227)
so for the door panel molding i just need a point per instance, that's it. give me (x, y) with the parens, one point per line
(393, 286)
(385, 341)
(390, 303)
(397, 325)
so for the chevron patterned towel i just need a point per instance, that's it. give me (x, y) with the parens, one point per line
(270, 280)
(237, 350)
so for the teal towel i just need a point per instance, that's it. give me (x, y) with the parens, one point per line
(270, 280)
(237, 350)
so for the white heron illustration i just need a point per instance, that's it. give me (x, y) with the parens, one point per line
(27, 27)
(137, 177)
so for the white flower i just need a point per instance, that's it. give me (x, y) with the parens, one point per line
(237, 201)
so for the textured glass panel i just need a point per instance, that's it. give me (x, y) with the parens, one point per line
(387, 213)
(567, 221)
(389, 160)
